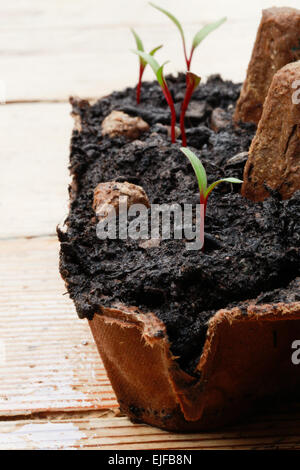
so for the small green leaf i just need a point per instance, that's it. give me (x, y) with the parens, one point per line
(198, 38)
(139, 45)
(157, 69)
(149, 59)
(198, 169)
(160, 74)
(153, 51)
(201, 174)
(172, 18)
(223, 180)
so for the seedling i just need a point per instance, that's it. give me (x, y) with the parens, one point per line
(192, 81)
(202, 179)
(198, 38)
(143, 63)
(159, 73)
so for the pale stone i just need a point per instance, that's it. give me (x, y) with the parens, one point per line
(151, 243)
(108, 195)
(119, 123)
(219, 119)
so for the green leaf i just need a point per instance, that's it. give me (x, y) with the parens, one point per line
(160, 74)
(157, 69)
(198, 38)
(172, 18)
(223, 180)
(149, 59)
(198, 169)
(139, 45)
(153, 51)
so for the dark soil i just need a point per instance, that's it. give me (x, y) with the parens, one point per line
(251, 250)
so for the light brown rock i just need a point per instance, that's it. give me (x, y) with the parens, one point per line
(177, 131)
(219, 119)
(274, 155)
(119, 123)
(151, 243)
(108, 195)
(277, 44)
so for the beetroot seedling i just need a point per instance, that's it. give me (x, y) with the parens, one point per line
(143, 63)
(198, 38)
(202, 179)
(159, 73)
(192, 81)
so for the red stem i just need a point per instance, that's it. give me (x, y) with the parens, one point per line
(188, 94)
(170, 102)
(188, 61)
(139, 85)
(203, 200)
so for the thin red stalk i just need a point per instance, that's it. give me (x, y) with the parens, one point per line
(139, 85)
(188, 61)
(188, 95)
(203, 200)
(170, 102)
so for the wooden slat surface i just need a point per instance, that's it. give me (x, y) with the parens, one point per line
(49, 361)
(279, 431)
(34, 167)
(54, 392)
(50, 50)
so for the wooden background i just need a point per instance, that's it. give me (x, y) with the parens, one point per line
(54, 392)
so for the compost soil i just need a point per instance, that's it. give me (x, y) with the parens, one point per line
(251, 249)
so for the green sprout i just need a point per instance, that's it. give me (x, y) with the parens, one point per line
(159, 73)
(143, 63)
(202, 178)
(198, 38)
